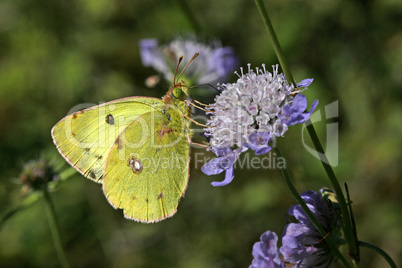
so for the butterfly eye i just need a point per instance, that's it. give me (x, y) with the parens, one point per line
(177, 93)
(135, 165)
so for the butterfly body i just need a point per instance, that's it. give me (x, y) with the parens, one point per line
(137, 147)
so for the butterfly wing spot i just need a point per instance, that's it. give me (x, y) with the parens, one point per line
(77, 113)
(135, 165)
(99, 157)
(160, 195)
(110, 119)
(146, 200)
(92, 175)
(119, 143)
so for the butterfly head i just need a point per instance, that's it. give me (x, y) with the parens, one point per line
(180, 91)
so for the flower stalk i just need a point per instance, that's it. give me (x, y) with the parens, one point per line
(390, 261)
(274, 40)
(26, 203)
(348, 228)
(189, 15)
(54, 229)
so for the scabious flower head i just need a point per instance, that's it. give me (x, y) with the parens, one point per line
(302, 244)
(266, 253)
(253, 111)
(36, 175)
(213, 64)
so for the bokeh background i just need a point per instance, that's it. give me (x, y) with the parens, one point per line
(56, 54)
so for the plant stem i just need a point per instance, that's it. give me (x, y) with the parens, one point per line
(391, 262)
(54, 229)
(189, 15)
(348, 230)
(317, 225)
(274, 40)
(28, 201)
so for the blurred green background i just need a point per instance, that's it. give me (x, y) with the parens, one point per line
(56, 54)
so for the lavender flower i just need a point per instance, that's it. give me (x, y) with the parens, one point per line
(302, 244)
(266, 253)
(213, 64)
(224, 162)
(253, 111)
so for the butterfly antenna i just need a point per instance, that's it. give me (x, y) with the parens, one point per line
(210, 85)
(195, 56)
(177, 68)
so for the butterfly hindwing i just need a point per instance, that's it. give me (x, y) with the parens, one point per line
(148, 166)
(84, 138)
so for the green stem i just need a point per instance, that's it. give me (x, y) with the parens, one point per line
(353, 223)
(189, 15)
(54, 229)
(348, 230)
(310, 215)
(28, 201)
(274, 40)
(391, 263)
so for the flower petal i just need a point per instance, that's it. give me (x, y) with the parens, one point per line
(299, 103)
(212, 167)
(228, 178)
(305, 82)
(313, 106)
(266, 253)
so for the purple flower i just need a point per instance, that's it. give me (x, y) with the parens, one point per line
(258, 142)
(226, 158)
(305, 82)
(294, 114)
(213, 64)
(302, 244)
(250, 113)
(223, 61)
(147, 51)
(266, 253)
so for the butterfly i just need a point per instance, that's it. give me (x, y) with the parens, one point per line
(137, 147)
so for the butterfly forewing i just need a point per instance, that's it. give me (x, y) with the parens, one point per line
(84, 138)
